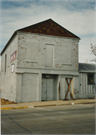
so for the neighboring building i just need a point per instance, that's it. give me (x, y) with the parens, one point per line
(40, 62)
(87, 81)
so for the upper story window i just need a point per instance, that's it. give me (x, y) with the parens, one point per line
(5, 62)
(91, 78)
(49, 56)
(31, 50)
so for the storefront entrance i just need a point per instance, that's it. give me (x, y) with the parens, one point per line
(48, 89)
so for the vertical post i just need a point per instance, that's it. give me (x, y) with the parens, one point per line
(72, 86)
(59, 90)
(58, 87)
(46, 89)
(40, 87)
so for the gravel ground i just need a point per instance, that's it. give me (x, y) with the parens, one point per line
(5, 102)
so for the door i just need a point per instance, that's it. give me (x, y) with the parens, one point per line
(47, 89)
(44, 90)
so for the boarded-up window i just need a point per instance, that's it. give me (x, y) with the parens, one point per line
(31, 50)
(49, 56)
(5, 62)
(66, 54)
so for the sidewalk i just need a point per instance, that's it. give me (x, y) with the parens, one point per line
(47, 103)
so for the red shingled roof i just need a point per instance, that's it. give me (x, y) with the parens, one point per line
(48, 27)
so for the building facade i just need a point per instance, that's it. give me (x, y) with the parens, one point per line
(39, 63)
(87, 81)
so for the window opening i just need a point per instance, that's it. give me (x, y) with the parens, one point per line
(90, 78)
(5, 62)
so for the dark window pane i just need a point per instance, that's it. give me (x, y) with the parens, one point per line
(90, 78)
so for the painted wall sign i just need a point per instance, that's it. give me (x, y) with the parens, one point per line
(12, 68)
(13, 56)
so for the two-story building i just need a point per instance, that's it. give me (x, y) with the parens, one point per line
(40, 62)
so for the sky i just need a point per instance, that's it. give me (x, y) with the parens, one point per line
(77, 16)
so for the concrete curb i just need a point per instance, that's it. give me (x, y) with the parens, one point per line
(45, 105)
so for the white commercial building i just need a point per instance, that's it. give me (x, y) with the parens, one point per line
(40, 62)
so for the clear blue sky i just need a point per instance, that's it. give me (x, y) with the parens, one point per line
(78, 16)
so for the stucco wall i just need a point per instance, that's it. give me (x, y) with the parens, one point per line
(8, 79)
(25, 84)
(65, 52)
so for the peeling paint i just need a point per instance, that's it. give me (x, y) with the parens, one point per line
(34, 37)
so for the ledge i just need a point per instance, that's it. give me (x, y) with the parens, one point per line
(66, 63)
(31, 61)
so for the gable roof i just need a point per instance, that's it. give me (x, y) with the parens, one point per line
(86, 67)
(47, 27)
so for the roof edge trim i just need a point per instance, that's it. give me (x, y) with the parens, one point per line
(8, 42)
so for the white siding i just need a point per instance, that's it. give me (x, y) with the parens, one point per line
(85, 90)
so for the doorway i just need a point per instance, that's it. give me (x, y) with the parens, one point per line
(66, 87)
(49, 91)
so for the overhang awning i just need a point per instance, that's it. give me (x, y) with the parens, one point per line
(87, 68)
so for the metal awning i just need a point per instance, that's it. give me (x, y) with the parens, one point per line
(87, 68)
